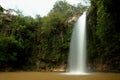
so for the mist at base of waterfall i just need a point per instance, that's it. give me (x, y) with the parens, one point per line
(75, 73)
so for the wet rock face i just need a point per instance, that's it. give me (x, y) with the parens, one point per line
(73, 19)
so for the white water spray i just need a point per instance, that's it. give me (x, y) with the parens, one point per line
(77, 56)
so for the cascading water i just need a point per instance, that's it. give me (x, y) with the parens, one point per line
(77, 56)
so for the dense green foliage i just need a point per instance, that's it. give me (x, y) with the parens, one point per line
(104, 35)
(28, 43)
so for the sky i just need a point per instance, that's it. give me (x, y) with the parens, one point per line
(34, 7)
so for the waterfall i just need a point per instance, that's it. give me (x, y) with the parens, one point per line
(77, 54)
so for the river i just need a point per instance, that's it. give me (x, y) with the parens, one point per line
(56, 76)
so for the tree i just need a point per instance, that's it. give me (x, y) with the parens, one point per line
(104, 35)
(9, 50)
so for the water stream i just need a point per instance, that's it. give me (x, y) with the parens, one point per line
(77, 55)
